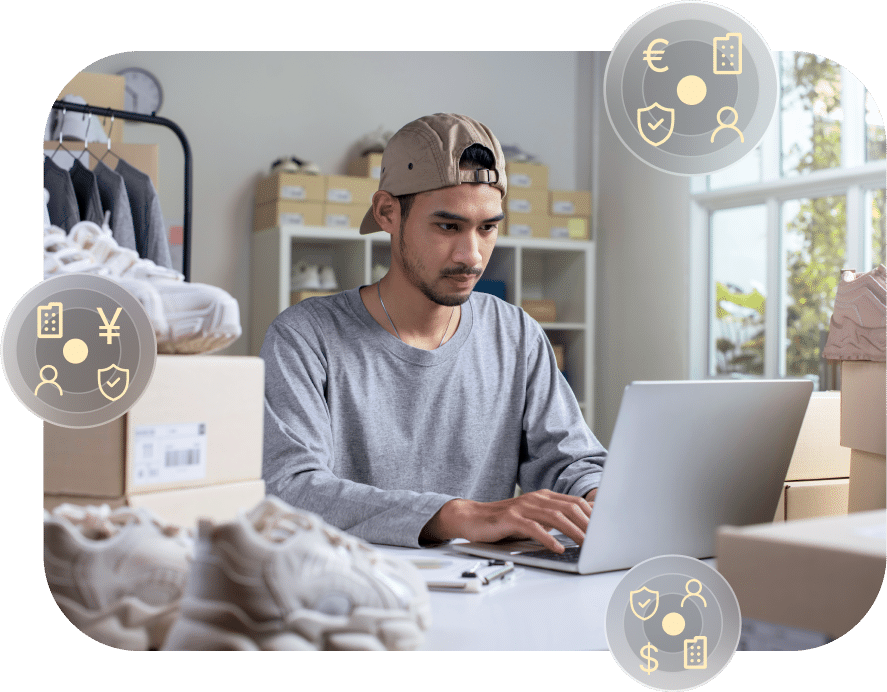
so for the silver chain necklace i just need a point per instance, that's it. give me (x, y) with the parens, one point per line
(446, 329)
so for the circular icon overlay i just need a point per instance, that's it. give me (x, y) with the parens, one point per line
(78, 350)
(673, 623)
(690, 88)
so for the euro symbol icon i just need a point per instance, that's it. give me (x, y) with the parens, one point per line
(650, 55)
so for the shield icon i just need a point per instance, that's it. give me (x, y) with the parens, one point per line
(640, 599)
(113, 382)
(656, 121)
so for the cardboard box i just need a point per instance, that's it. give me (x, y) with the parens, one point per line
(295, 187)
(864, 405)
(809, 499)
(527, 225)
(818, 452)
(343, 215)
(369, 166)
(540, 310)
(568, 227)
(105, 90)
(526, 175)
(198, 423)
(180, 507)
(285, 212)
(141, 156)
(868, 482)
(299, 296)
(526, 200)
(817, 574)
(559, 356)
(569, 203)
(349, 189)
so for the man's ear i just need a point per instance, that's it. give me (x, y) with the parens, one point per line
(386, 211)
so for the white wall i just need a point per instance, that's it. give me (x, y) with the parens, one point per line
(240, 111)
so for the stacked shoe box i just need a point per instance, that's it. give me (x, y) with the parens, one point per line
(532, 210)
(367, 166)
(190, 447)
(817, 482)
(347, 200)
(289, 199)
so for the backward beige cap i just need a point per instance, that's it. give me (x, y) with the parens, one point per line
(424, 155)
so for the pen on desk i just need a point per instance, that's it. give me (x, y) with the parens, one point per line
(499, 573)
(469, 573)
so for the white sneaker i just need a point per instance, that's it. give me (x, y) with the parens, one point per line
(328, 279)
(200, 318)
(305, 277)
(374, 142)
(856, 328)
(117, 576)
(61, 255)
(280, 579)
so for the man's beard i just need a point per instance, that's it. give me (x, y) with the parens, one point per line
(413, 274)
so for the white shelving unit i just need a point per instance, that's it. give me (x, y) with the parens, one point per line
(532, 268)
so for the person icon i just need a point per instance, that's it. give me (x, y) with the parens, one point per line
(697, 593)
(44, 381)
(731, 126)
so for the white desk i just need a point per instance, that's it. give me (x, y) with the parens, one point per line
(537, 610)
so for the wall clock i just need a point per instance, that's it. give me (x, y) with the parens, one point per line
(143, 91)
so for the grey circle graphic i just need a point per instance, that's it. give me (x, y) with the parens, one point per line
(690, 88)
(78, 350)
(673, 623)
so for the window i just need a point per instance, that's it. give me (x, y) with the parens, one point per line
(772, 233)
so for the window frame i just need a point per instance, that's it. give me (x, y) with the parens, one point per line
(856, 178)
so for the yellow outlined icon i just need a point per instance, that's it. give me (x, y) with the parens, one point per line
(44, 381)
(727, 126)
(696, 653)
(49, 321)
(650, 55)
(728, 54)
(111, 329)
(640, 599)
(697, 593)
(652, 121)
(112, 380)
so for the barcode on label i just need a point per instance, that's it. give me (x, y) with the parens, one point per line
(182, 457)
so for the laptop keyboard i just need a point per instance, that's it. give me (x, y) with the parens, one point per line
(571, 554)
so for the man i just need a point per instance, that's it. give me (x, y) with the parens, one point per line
(404, 412)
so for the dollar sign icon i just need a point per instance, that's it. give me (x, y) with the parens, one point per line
(651, 664)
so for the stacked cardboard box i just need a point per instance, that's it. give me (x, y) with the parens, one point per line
(532, 210)
(186, 449)
(863, 397)
(817, 481)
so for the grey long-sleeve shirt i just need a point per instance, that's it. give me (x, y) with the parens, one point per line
(375, 435)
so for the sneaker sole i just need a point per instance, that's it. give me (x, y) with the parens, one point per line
(213, 626)
(128, 624)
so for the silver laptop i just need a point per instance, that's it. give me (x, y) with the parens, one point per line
(685, 458)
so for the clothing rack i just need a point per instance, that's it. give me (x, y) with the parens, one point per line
(154, 120)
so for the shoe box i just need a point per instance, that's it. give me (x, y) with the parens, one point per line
(343, 215)
(569, 203)
(540, 310)
(816, 574)
(287, 212)
(523, 175)
(295, 187)
(813, 498)
(349, 189)
(182, 507)
(369, 166)
(199, 424)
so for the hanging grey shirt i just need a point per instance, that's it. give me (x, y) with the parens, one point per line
(62, 204)
(87, 191)
(112, 191)
(375, 435)
(147, 217)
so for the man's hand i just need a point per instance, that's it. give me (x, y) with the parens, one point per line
(531, 515)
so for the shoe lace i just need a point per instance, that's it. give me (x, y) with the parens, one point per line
(122, 260)
(101, 522)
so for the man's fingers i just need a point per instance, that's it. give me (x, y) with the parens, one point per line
(535, 530)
